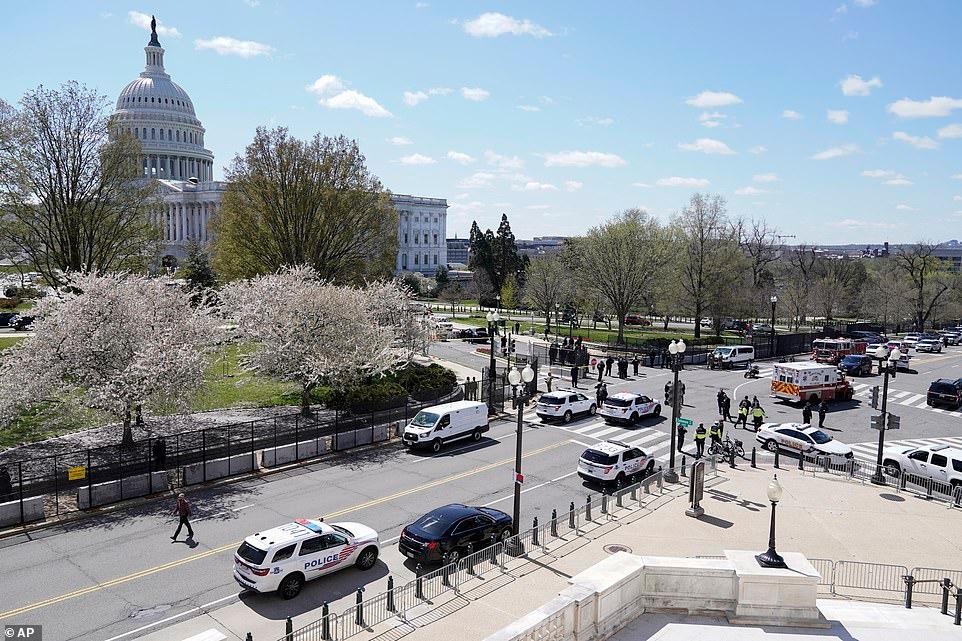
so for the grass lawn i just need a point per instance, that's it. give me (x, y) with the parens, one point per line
(10, 341)
(227, 385)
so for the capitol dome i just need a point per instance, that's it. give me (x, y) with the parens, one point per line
(159, 113)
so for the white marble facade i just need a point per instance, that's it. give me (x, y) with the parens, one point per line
(422, 243)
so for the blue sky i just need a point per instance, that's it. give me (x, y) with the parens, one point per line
(836, 122)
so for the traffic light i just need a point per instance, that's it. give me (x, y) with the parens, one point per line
(878, 422)
(893, 422)
(668, 394)
(875, 397)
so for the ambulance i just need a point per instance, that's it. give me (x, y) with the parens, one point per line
(807, 381)
(833, 350)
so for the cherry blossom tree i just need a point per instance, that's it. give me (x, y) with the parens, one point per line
(308, 331)
(118, 343)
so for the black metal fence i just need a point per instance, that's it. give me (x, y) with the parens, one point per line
(37, 488)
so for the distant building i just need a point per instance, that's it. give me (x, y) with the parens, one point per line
(422, 222)
(950, 252)
(541, 245)
(459, 251)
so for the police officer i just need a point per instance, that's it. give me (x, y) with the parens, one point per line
(634, 364)
(758, 416)
(680, 432)
(727, 408)
(700, 434)
(720, 397)
(601, 369)
(715, 434)
(807, 414)
(601, 395)
(743, 414)
(822, 409)
(574, 376)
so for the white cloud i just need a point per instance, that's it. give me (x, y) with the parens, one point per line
(713, 99)
(473, 206)
(332, 94)
(252, 3)
(421, 5)
(903, 207)
(503, 162)
(707, 146)
(417, 159)
(951, 131)
(791, 114)
(538, 207)
(899, 181)
(399, 140)
(142, 20)
(529, 108)
(711, 119)
(840, 10)
(227, 46)
(477, 180)
(412, 98)
(956, 176)
(758, 150)
(836, 152)
(837, 116)
(534, 185)
(546, 100)
(878, 173)
(749, 191)
(711, 124)
(853, 223)
(460, 157)
(573, 185)
(594, 120)
(919, 142)
(678, 181)
(639, 184)
(865, 4)
(493, 24)
(854, 85)
(475, 93)
(765, 178)
(934, 107)
(582, 159)
(957, 198)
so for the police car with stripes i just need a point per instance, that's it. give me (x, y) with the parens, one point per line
(283, 558)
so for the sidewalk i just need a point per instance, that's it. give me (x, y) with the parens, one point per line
(819, 517)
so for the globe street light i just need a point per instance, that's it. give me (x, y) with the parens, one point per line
(771, 346)
(677, 351)
(888, 363)
(493, 318)
(516, 377)
(771, 559)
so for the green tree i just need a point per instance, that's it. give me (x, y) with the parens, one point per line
(441, 278)
(496, 256)
(304, 202)
(509, 293)
(545, 285)
(928, 277)
(196, 268)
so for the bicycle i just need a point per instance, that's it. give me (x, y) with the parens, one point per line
(726, 447)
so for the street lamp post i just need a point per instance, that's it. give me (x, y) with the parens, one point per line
(516, 377)
(771, 345)
(887, 364)
(493, 318)
(677, 351)
(771, 558)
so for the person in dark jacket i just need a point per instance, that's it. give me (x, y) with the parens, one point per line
(609, 364)
(601, 395)
(601, 369)
(634, 364)
(727, 408)
(822, 410)
(182, 510)
(680, 432)
(574, 376)
(807, 414)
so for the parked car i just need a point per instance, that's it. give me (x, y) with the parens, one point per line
(707, 322)
(564, 405)
(940, 463)
(447, 533)
(284, 558)
(730, 356)
(625, 407)
(21, 323)
(614, 462)
(637, 319)
(945, 391)
(929, 345)
(951, 337)
(802, 438)
(440, 424)
(856, 365)
(761, 328)
(6, 317)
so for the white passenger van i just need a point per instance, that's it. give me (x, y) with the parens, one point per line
(435, 426)
(729, 356)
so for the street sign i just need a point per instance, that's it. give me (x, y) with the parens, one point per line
(683, 422)
(878, 422)
(76, 473)
(893, 422)
(519, 478)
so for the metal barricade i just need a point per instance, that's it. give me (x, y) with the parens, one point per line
(869, 576)
(826, 571)
(934, 574)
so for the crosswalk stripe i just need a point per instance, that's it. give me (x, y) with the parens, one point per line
(647, 437)
(897, 395)
(604, 432)
(587, 428)
(912, 399)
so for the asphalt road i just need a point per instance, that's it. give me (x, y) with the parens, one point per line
(118, 575)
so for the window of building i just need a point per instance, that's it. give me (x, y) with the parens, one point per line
(416, 256)
(426, 260)
(435, 239)
(435, 259)
(415, 239)
(161, 134)
(404, 261)
(405, 238)
(435, 219)
(145, 133)
(153, 133)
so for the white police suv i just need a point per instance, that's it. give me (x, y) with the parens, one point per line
(283, 558)
(614, 462)
(563, 405)
(800, 437)
(625, 407)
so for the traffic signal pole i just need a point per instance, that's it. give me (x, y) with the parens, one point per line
(878, 478)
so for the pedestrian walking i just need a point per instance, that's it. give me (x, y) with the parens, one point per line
(822, 409)
(182, 510)
(755, 402)
(727, 408)
(548, 380)
(680, 432)
(700, 434)
(807, 414)
(634, 364)
(574, 376)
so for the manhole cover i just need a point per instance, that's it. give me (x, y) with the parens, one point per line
(617, 547)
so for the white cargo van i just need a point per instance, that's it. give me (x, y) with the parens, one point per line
(729, 356)
(435, 426)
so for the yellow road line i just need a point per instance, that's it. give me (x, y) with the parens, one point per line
(230, 546)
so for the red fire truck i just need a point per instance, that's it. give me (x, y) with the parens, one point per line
(833, 350)
(801, 382)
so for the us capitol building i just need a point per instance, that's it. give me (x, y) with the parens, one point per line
(161, 115)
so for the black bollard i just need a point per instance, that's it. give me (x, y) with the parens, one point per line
(571, 517)
(325, 622)
(776, 458)
(390, 595)
(753, 458)
(534, 532)
(554, 523)
(446, 573)
(731, 458)
(909, 582)
(946, 585)
(250, 637)
(359, 613)
(588, 508)
(634, 491)
(684, 471)
(418, 584)
(604, 503)
(289, 629)
(958, 606)
(801, 462)
(618, 496)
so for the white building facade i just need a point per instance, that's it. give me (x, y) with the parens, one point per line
(160, 114)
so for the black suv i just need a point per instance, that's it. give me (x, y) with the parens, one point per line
(21, 323)
(446, 534)
(945, 391)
